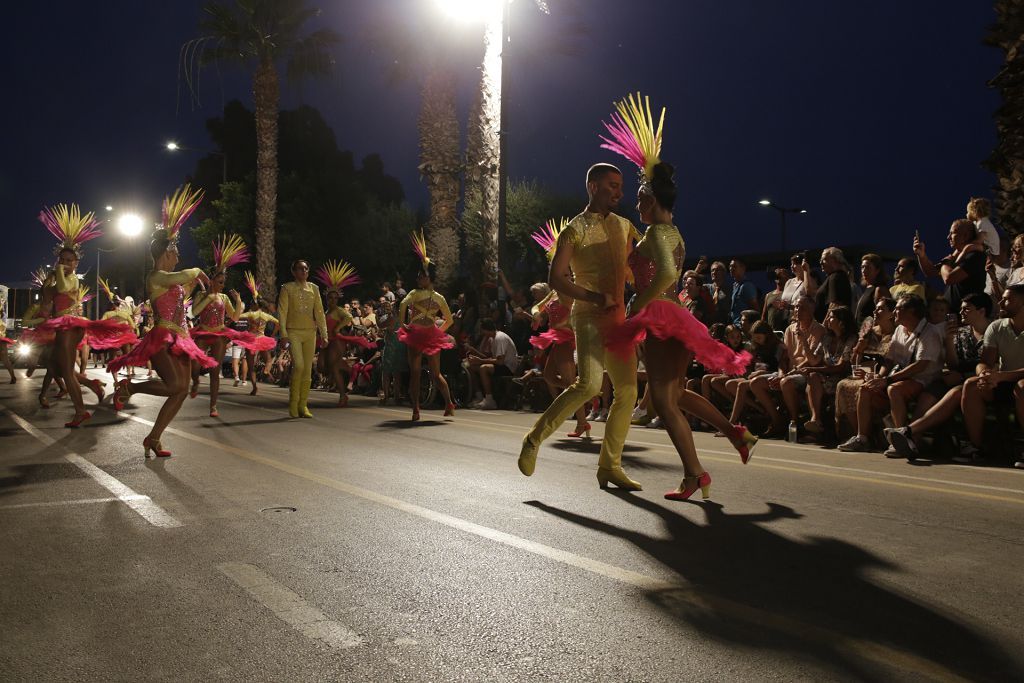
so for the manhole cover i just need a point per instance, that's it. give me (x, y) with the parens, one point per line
(279, 508)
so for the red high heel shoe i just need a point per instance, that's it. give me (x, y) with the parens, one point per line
(97, 388)
(449, 410)
(151, 444)
(214, 413)
(79, 419)
(194, 391)
(581, 432)
(690, 486)
(415, 414)
(121, 393)
(343, 401)
(746, 451)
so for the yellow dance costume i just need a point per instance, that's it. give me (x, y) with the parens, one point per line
(301, 316)
(600, 248)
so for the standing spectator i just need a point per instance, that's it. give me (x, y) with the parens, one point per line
(385, 291)
(695, 298)
(1016, 265)
(368, 316)
(914, 362)
(997, 267)
(1000, 372)
(978, 210)
(963, 271)
(399, 289)
(721, 294)
(835, 289)
(875, 283)
(776, 312)
(794, 288)
(744, 293)
(905, 280)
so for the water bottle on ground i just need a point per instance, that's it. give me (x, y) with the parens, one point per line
(791, 434)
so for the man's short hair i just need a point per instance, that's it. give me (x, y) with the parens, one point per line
(488, 324)
(1017, 289)
(914, 304)
(968, 226)
(598, 171)
(738, 260)
(980, 300)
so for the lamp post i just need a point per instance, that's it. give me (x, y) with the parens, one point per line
(782, 213)
(172, 146)
(129, 225)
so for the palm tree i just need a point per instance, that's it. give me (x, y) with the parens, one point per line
(261, 34)
(1007, 159)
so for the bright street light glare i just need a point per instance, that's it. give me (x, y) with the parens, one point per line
(765, 202)
(24, 348)
(469, 10)
(172, 146)
(803, 210)
(130, 224)
(108, 207)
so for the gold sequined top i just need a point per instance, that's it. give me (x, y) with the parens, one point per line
(258, 321)
(657, 263)
(600, 246)
(426, 304)
(299, 308)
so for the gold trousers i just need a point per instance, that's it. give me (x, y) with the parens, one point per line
(593, 360)
(303, 348)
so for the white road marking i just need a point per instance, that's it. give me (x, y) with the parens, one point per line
(289, 607)
(144, 505)
(61, 503)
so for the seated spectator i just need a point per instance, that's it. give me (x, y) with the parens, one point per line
(872, 345)
(836, 354)
(769, 355)
(503, 361)
(368, 315)
(1000, 372)
(939, 312)
(836, 289)
(905, 280)
(963, 271)
(978, 211)
(802, 339)
(964, 345)
(913, 363)
(747, 320)
(875, 283)
(712, 384)
(776, 311)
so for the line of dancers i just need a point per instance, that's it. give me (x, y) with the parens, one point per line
(591, 331)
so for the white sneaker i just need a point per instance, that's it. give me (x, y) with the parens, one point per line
(236, 381)
(242, 383)
(855, 444)
(638, 413)
(592, 415)
(488, 404)
(655, 423)
(602, 416)
(477, 397)
(1019, 464)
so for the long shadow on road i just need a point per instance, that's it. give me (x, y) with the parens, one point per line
(749, 587)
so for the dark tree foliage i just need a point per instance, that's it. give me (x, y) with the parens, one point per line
(1007, 159)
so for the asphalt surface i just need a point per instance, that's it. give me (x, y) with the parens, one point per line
(420, 553)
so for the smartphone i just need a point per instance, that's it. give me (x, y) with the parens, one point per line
(917, 235)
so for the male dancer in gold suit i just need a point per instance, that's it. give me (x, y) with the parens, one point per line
(590, 266)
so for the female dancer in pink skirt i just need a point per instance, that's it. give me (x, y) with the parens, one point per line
(421, 334)
(210, 333)
(559, 339)
(168, 344)
(70, 328)
(258, 318)
(336, 277)
(673, 336)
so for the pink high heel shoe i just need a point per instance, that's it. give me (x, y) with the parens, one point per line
(746, 449)
(582, 432)
(690, 486)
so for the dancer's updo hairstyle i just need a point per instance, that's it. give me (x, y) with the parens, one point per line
(159, 244)
(430, 270)
(663, 185)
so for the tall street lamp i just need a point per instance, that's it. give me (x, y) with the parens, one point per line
(782, 213)
(129, 225)
(172, 146)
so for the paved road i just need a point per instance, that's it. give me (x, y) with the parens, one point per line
(419, 553)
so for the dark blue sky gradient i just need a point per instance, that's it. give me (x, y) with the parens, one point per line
(874, 115)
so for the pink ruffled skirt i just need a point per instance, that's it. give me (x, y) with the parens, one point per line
(247, 340)
(38, 337)
(666, 320)
(99, 334)
(6, 340)
(554, 336)
(155, 341)
(426, 340)
(354, 340)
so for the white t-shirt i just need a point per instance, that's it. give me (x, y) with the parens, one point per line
(793, 290)
(1016, 276)
(502, 345)
(989, 235)
(1001, 276)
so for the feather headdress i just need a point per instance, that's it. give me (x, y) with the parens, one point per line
(178, 207)
(419, 245)
(336, 275)
(39, 277)
(252, 285)
(229, 250)
(68, 224)
(105, 286)
(85, 294)
(633, 134)
(547, 236)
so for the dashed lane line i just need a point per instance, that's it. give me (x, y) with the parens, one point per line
(143, 505)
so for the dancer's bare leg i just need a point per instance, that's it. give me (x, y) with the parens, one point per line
(65, 350)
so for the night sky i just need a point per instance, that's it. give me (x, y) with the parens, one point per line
(874, 115)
